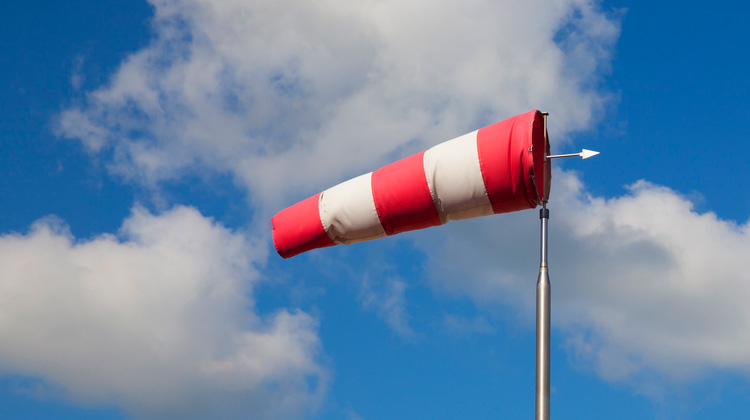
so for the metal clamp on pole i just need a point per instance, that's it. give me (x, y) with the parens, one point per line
(543, 325)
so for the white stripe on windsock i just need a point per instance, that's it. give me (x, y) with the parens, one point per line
(348, 213)
(455, 179)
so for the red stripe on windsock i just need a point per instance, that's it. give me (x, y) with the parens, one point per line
(506, 162)
(302, 229)
(402, 197)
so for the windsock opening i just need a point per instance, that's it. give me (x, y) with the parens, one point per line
(542, 169)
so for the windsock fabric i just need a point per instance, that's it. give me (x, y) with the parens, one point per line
(497, 169)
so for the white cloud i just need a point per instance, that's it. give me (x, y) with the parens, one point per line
(291, 96)
(158, 320)
(640, 282)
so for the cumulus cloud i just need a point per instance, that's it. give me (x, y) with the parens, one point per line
(641, 282)
(158, 319)
(294, 95)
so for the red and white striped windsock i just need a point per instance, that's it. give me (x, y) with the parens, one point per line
(497, 169)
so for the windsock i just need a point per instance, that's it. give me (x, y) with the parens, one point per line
(497, 169)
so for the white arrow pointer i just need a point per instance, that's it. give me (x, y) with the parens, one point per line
(584, 154)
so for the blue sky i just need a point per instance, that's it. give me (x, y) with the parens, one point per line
(145, 146)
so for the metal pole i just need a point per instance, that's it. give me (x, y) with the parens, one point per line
(543, 325)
